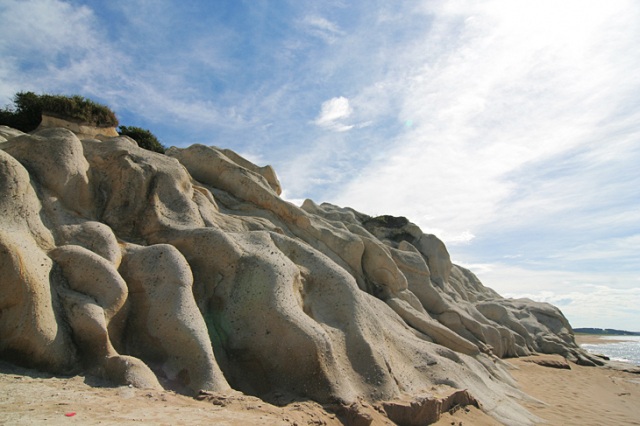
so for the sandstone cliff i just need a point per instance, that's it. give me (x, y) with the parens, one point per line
(187, 271)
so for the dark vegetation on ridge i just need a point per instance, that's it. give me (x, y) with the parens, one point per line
(388, 221)
(28, 108)
(145, 138)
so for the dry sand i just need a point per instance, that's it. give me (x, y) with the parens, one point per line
(580, 396)
(32, 398)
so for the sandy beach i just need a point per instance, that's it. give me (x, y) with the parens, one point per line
(579, 396)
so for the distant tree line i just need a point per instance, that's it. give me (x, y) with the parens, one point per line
(26, 114)
(608, 331)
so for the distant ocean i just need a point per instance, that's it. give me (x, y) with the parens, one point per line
(626, 351)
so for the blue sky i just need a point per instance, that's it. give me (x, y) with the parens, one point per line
(510, 129)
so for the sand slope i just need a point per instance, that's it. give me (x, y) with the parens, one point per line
(580, 396)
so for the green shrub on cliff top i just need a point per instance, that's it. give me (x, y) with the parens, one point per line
(145, 138)
(28, 108)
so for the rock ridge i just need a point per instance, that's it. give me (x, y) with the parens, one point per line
(187, 271)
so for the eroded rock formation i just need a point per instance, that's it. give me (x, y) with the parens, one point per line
(187, 271)
(81, 129)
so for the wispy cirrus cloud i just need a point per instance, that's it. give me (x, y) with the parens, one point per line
(514, 89)
(322, 28)
(517, 143)
(604, 306)
(63, 47)
(47, 44)
(607, 299)
(45, 27)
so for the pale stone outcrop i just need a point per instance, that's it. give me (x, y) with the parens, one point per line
(425, 409)
(30, 326)
(188, 271)
(54, 157)
(7, 133)
(83, 130)
(164, 324)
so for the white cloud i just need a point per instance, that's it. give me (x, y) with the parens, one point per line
(66, 49)
(295, 201)
(607, 299)
(595, 306)
(515, 87)
(322, 28)
(463, 238)
(605, 249)
(508, 279)
(325, 163)
(55, 42)
(332, 112)
(46, 27)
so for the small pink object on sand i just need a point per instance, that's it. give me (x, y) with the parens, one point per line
(70, 414)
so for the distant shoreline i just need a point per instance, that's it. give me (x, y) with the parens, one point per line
(605, 331)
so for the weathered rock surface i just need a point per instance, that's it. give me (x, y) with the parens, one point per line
(426, 409)
(187, 271)
(82, 130)
(550, 361)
